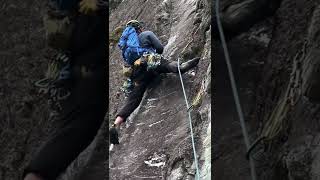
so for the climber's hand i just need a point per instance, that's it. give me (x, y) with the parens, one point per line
(88, 6)
(137, 62)
(140, 62)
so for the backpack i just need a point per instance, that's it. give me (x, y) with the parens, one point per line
(130, 46)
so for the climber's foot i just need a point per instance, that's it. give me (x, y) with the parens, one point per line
(189, 64)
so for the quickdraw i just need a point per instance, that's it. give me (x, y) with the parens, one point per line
(52, 85)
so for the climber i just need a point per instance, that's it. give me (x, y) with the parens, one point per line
(142, 70)
(83, 111)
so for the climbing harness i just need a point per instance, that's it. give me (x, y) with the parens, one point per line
(235, 93)
(153, 60)
(147, 62)
(190, 124)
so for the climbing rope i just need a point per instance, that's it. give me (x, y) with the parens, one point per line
(234, 90)
(189, 108)
(190, 123)
(277, 121)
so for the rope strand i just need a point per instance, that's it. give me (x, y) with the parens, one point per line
(235, 92)
(190, 124)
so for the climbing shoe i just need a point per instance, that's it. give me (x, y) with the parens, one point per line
(189, 64)
(114, 136)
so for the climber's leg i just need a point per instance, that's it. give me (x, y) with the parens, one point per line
(55, 156)
(133, 101)
(172, 67)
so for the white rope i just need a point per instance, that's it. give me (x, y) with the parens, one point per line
(190, 123)
(235, 92)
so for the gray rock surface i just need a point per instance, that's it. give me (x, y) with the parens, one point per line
(156, 142)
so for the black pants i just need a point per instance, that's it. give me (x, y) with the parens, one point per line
(84, 110)
(135, 97)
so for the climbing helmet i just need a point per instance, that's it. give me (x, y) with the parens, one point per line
(134, 23)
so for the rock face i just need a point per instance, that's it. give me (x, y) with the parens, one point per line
(276, 65)
(155, 143)
(22, 62)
